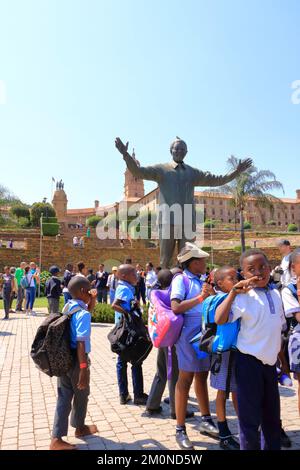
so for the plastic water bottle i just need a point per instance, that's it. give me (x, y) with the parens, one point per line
(285, 380)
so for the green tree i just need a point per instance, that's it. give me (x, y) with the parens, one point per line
(20, 210)
(93, 221)
(39, 208)
(253, 183)
(6, 196)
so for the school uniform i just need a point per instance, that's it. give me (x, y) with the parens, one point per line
(291, 307)
(258, 345)
(187, 359)
(125, 293)
(69, 397)
(53, 293)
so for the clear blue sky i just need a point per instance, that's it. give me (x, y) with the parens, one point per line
(78, 73)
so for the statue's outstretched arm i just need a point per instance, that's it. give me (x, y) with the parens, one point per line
(207, 179)
(144, 172)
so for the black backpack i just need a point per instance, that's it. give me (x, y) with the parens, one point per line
(130, 339)
(51, 349)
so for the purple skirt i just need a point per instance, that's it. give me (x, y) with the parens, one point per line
(187, 359)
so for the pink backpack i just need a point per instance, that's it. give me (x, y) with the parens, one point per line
(163, 325)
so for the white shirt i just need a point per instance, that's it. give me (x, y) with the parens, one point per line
(151, 278)
(290, 303)
(262, 321)
(75, 241)
(110, 281)
(286, 277)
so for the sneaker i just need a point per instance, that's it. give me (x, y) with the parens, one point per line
(156, 411)
(229, 443)
(284, 439)
(167, 401)
(189, 414)
(183, 441)
(208, 428)
(34, 314)
(124, 399)
(142, 400)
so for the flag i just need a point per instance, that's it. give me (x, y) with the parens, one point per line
(53, 179)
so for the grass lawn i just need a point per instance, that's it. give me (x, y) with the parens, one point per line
(40, 302)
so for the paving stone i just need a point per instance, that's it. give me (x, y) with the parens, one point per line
(28, 402)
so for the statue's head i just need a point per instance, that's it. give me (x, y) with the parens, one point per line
(178, 150)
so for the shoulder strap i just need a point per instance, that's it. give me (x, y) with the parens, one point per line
(69, 313)
(293, 290)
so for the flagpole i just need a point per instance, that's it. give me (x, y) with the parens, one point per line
(52, 181)
(41, 241)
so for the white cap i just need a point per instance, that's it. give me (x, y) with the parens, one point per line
(193, 252)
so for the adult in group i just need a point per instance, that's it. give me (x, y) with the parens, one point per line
(33, 279)
(68, 274)
(20, 294)
(112, 284)
(101, 284)
(15, 289)
(81, 269)
(151, 278)
(188, 302)
(285, 251)
(7, 281)
(91, 276)
(141, 286)
(162, 375)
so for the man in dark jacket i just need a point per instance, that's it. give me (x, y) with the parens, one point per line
(53, 290)
(101, 284)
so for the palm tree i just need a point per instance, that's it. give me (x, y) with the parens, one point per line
(253, 183)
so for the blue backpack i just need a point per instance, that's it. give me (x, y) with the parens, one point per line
(214, 338)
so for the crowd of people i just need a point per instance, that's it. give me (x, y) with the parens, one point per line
(264, 302)
(20, 283)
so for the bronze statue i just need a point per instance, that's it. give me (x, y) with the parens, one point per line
(176, 181)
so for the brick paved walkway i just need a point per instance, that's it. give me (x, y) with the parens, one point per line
(28, 400)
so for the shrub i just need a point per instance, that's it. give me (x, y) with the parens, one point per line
(44, 276)
(50, 230)
(292, 228)
(19, 211)
(209, 224)
(247, 225)
(239, 248)
(24, 222)
(39, 208)
(104, 313)
(206, 248)
(271, 222)
(93, 221)
(50, 220)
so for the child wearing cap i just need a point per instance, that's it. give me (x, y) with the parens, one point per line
(53, 290)
(261, 315)
(188, 302)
